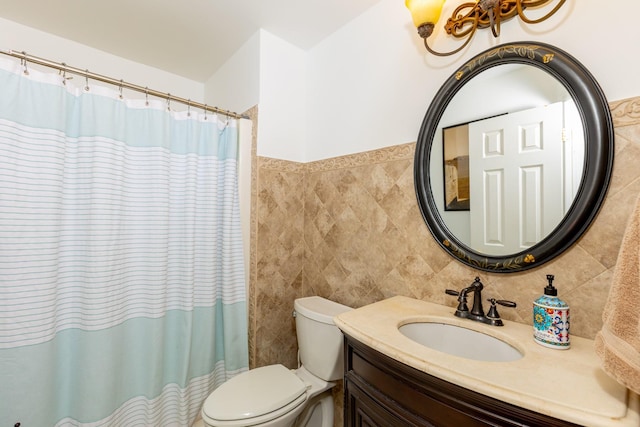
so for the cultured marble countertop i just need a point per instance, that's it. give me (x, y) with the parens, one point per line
(565, 384)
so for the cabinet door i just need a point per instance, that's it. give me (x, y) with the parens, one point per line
(362, 409)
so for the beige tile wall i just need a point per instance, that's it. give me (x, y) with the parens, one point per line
(349, 229)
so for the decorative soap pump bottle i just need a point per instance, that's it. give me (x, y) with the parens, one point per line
(551, 319)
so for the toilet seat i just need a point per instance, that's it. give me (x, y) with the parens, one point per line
(255, 396)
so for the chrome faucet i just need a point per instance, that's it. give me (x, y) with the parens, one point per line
(477, 312)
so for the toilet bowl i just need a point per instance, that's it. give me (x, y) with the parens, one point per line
(275, 396)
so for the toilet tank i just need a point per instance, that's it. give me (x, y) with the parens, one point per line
(320, 342)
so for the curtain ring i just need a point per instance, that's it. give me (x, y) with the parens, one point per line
(64, 74)
(23, 62)
(188, 107)
(205, 112)
(168, 102)
(146, 96)
(120, 89)
(86, 80)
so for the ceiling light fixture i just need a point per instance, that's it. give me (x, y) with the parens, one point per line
(468, 17)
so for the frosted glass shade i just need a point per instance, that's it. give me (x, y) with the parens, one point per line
(424, 11)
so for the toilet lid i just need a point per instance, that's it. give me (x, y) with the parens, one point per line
(254, 393)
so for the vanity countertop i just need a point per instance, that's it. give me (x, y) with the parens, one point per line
(565, 384)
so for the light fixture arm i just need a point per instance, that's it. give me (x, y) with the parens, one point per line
(453, 52)
(492, 9)
(471, 16)
(494, 24)
(521, 5)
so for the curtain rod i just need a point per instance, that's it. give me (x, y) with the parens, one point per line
(23, 56)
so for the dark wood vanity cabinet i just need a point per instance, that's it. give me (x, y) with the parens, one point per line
(380, 391)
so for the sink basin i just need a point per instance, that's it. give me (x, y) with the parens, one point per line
(459, 341)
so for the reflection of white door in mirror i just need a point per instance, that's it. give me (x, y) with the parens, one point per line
(516, 179)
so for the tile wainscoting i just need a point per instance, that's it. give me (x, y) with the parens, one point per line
(349, 229)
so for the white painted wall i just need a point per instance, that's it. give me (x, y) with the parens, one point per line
(283, 94)
(269, 72)
(37, 43)
(236, 85)
(371, 82)
(368, 85)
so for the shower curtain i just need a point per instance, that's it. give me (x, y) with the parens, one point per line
(122, 293)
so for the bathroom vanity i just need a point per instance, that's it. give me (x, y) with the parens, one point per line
(391, 379)
(374, 382)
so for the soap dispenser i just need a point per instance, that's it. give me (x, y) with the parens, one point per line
(551, 319)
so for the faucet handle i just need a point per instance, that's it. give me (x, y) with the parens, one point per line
(493, 314)
(506, 303)
(462, 300)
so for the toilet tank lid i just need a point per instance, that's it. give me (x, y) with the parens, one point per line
(319, 309)
(254, 393)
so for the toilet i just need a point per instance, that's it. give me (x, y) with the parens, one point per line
(275, 396)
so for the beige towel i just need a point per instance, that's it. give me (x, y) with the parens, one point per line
(618, 343)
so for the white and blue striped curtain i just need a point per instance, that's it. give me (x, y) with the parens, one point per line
(122, 293)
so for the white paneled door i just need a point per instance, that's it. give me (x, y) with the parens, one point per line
(516, 179)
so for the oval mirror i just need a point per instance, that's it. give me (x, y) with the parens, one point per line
(514, 157)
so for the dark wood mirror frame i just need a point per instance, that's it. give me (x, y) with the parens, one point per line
(599, 151)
